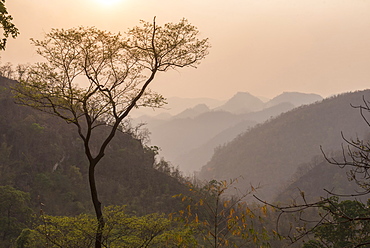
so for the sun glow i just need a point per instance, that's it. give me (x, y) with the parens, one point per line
(108, 2)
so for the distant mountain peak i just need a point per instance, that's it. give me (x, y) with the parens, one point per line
(242, 102)
(243, 93)
(201, 107)
(296, 98)
(194, 111)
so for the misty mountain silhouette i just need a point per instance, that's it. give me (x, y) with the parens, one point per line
(196, 158)
(242, 102)
(295, 98)
(193, 112)
(189, 138)
(270, 153)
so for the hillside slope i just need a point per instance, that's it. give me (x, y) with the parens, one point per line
(269, 154)
(43, 155)
(317, 181)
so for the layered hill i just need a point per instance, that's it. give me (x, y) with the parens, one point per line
(176, 105)
(189, 138)
(270, 153)
(242, 102)
(179, 135)
(199, 156)
(44, 156)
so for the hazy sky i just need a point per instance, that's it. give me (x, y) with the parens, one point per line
(264, 47)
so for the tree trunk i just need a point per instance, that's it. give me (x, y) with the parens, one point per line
(97, 206)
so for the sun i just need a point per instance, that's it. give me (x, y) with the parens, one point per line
(108, 2)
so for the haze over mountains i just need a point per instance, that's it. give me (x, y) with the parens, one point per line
(271, 144)
(271, 154)
(188, 139)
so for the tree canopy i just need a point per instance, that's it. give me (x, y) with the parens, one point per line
(105, 75)
(9, 29)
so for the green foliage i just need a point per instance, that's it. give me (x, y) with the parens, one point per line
(8, 27)
(121, 230)
(313, 244)
(15, 213)
(347, 225)
(37, 127)
(222, 221)
(23, 239)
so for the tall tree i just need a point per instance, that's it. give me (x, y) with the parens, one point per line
(93, 79)
(9, 29)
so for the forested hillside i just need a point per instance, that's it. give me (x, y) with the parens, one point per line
(319, 180)
(44, 156)
(269, 154)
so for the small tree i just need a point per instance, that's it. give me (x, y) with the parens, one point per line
(93, 79)
(224, 220)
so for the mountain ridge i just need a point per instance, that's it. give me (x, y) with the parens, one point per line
(282, 143)
(187, 141)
